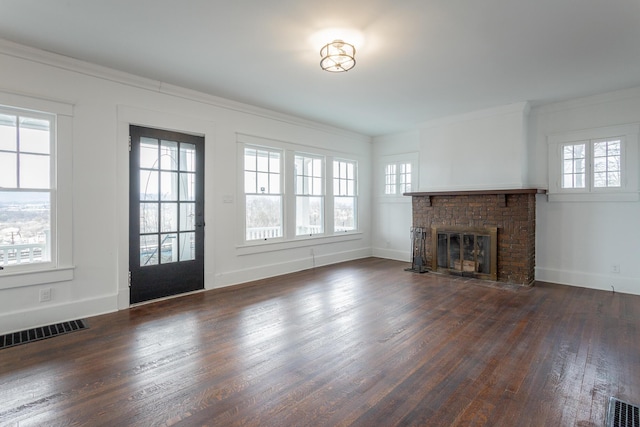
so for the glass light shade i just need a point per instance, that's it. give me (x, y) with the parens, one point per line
(337, 56)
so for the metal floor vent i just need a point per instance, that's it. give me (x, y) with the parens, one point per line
(622, 414)
(41, 333)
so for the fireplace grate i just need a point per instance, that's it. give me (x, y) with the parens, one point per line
(41, 333)
(622, 414)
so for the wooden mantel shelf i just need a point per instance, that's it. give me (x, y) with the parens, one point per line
(501, 194)
(478, 192)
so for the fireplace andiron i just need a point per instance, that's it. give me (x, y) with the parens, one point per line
(418, 251)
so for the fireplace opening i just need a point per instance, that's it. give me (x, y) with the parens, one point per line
(468, 252)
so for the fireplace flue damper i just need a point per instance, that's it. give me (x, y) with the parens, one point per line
(465, 251)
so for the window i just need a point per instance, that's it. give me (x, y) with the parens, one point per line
(604, 158)
(594, 164)
(344, 195)
(263, 193)
(293, 194)
(309, 190)
(398, 178)
(27, 193)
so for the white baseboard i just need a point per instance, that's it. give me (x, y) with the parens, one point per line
(47, 315)
(278, 269)
(621, 284)
(393, 254)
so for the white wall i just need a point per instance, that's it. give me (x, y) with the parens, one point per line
(480, 150)
(577, 243)
(392, 214)
(104, 103)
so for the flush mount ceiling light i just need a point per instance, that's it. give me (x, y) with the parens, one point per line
(337, 56)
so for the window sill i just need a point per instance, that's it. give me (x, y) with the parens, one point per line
(594, 197)
(19, 279)
(256, 248)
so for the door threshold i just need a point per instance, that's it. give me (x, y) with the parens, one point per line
(151, 301)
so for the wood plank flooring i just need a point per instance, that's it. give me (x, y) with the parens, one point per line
(362, 343)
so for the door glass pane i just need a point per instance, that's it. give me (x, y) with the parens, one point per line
(168, 248)
(169, 155)
(484, 254)
(187, 157)
(187, 186)
(148, 185)
(169, 219)
(148, 217)
(187, 216)
(468, 253)
(187, 246)
(148, 153)
(34, 171)
(454, 252)
(443, 239)
(148, 250)
(169, 184)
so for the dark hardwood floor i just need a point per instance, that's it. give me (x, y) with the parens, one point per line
(362, 343)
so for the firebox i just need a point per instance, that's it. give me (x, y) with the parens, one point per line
(463, 251)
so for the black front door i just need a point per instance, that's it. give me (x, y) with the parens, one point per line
(166, 213)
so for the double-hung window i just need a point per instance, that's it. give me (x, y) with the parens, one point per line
(309, 190)
(27, 190)
(263, 193)
(594, 164)
(344, 195)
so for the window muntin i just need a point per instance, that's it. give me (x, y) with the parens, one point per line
(397, 178)
(309, 190)
(594, 164)
(405, 177)
(27, 194)
(607, 163)
(390, 177)
(263, 193)
(573, 165)
(344, 196)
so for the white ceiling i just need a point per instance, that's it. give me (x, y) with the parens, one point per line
(418, 59)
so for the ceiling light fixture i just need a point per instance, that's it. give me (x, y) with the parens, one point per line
(337, 56)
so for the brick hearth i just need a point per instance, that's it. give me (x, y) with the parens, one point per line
(513, 212)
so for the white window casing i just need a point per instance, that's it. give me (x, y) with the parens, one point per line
(599, 164)
(58, 264)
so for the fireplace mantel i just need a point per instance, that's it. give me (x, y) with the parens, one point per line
(478, 192)
(500, 193)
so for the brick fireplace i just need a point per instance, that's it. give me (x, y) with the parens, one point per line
(511, 212)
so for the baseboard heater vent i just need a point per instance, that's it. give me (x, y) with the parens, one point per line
(41, 333)
(622, 414)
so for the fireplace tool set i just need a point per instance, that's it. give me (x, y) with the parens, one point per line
(418, 251)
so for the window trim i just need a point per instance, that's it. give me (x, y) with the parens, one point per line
(627, 191)
(355, 195)
(60, 268)
(290, 240)
(241, 149)
(322, 195)
(398, 160)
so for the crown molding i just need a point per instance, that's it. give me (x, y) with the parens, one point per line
(74, 65)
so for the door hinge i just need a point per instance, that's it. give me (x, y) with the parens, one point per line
(129, 279)
(129, 143)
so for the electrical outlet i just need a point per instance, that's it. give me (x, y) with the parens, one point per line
(45, 294)
(615, 268)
